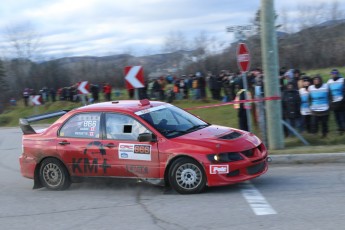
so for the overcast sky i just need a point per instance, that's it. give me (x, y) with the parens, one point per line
(139, 27)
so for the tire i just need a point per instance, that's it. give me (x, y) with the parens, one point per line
(54, 175)
(187, 176)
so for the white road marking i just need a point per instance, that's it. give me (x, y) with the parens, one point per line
(256, 200)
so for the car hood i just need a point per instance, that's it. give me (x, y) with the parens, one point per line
(220, 137)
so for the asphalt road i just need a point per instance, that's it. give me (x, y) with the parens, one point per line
(294, 196)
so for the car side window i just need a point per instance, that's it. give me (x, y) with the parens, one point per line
(83, 125)
(123, 127)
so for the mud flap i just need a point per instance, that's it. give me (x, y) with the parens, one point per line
(37, 181)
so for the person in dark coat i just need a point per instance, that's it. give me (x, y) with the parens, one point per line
(201, 86)
(52, 94)
(95, 92)
(212, 81)
(291, 106)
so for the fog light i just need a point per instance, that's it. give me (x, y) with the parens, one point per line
(216, 158)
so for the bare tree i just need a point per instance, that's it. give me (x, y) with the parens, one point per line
(286, 25)
(3, 87)
(175, 41)
(24, 41)
(311, 15)
(24, 45)
(335, 13)
(256, 21)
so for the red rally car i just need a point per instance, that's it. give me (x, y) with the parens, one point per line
(154, 141)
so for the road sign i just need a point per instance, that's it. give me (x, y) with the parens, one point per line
(36, 100)
(243, 57)
(232, 29)
(83, 87)
(134, 76)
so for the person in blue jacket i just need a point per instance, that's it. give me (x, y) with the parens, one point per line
(319, 105)
(336, 85)
(305, 106)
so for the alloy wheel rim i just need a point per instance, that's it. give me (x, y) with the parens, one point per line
(52, 175)
(188, 176)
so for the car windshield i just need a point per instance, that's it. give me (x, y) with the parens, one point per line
(171, 121)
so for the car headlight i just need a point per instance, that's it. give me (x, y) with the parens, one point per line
(224, 157)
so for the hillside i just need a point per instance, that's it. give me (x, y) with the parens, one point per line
(321, 46)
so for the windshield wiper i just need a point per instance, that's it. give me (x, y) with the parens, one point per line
(173, 131)
(196, 127)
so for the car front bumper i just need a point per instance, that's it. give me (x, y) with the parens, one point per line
(219, 174)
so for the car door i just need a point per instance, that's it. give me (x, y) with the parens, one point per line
(125, 154)
(79, 145)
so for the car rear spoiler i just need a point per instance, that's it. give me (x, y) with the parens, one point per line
(24, 123)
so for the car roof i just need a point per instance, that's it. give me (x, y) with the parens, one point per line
(129, 106)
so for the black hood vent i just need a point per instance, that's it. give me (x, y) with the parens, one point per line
(231, 136)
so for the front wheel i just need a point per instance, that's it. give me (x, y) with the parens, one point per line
(187, 176)
(54, 175)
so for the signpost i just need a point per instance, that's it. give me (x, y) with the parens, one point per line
(134, 76)
(36, 100)
(243, 57)
(83, 89)
(232, 29)
(243, 62)
(239, 30)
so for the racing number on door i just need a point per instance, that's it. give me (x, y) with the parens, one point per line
(142, 149)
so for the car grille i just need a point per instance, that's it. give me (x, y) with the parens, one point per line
(251, 170)
(248, 153)
(234, 173)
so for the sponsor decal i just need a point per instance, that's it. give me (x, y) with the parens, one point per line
(144, 111)
(137, 169)
(81, 134)
(95, 147)
(126, 147)
(124, 155)
(88, 167)
(134, 152)
(219, 169)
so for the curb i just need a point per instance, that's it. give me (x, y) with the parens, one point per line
(313, 158)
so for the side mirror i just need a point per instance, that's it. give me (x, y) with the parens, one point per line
(146, 137)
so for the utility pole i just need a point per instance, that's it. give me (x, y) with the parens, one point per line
(271, 81)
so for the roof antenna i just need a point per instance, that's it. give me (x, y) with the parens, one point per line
(144, 102)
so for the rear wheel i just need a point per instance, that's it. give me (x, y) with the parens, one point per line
(54, 175)
(187, 176)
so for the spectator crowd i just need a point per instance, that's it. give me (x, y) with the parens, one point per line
(307, 101)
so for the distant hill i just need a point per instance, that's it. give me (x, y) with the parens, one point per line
(319, 46)
(154, 64)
